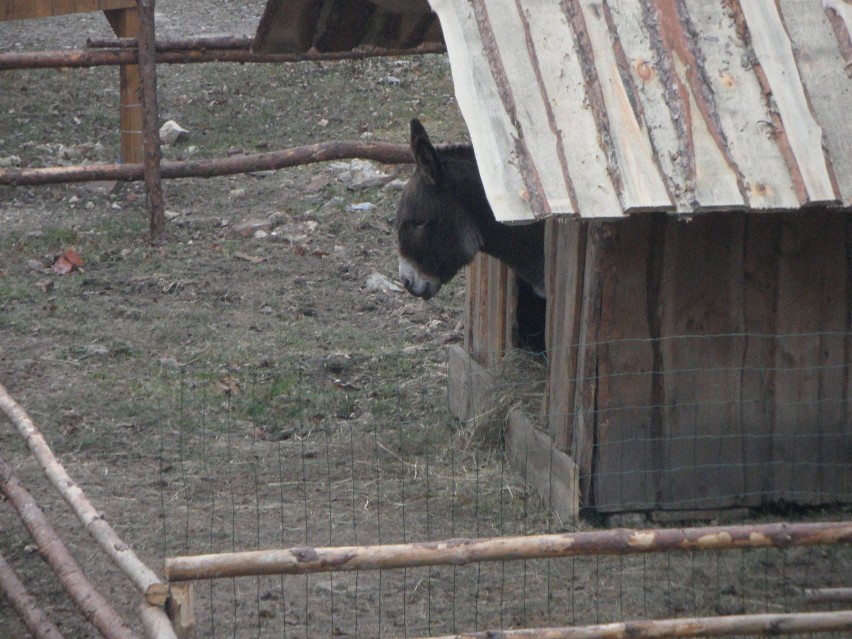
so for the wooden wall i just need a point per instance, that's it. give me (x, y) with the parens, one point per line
(703, 364)
(491, 309)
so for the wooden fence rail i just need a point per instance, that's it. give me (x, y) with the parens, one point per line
(766, 624)
(464, 551)
(307, 154)
(122, 56)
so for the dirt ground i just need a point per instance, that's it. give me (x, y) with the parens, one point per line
(255, 381)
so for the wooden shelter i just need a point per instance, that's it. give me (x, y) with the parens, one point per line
(694, 162)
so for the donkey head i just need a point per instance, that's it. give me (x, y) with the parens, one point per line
(436, 232)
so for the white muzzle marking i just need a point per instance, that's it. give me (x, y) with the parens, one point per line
(416, 281)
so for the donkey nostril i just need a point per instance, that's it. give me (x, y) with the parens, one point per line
(406, 282)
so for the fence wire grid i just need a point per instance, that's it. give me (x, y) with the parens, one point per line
(354, 449)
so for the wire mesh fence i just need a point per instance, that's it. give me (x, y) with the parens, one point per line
(347, 450)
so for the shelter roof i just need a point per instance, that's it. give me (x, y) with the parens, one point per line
(603, 108)
(296, 26)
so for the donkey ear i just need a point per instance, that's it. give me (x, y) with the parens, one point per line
(424, 153)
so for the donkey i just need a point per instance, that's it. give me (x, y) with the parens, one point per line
(444, 218)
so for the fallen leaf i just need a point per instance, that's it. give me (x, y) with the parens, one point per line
(62, 266)
(67, 261)
(73, 256)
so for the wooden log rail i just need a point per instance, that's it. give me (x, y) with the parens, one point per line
(215, 42)
(120, 553)
(124, 56)
(37, 622)
(828, 595)
(70, 575)
(324, 151)
(303, 560)
(763, 624)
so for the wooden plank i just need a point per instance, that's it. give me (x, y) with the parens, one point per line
(627, 449)
(760, 303)
(825, 75)
(477, 94)
(551, 472)
(286, 27)
(26, 9)
(125, 23)
(495, 338)
(564, 269)
(740, 108)
(561, 78)
(545, 167)
(640, 184)
(477, 291)
(531, 452)
(585, 385)
(702, 350)
(811, 444)
(468, 382)
(773, 49)
(665, 53)
(508, 308)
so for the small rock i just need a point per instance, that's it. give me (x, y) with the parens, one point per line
(361, 206)
(171, 132)
(250, 227)
(170, 215)
(395, 185)
(259, 234)
(237, 193)
(10, 160)
(378, 282)
(318, 183)
(364, 175)
(392, 80)
(101, 186)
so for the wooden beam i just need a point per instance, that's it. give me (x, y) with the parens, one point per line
(460, 552)
(26, 9)
(53, 550)
(552, 473)
(150, 120)
(119, 552)
(125, 23)
(84, 58)
(320, 152)
(760, 624)
(35, 619)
